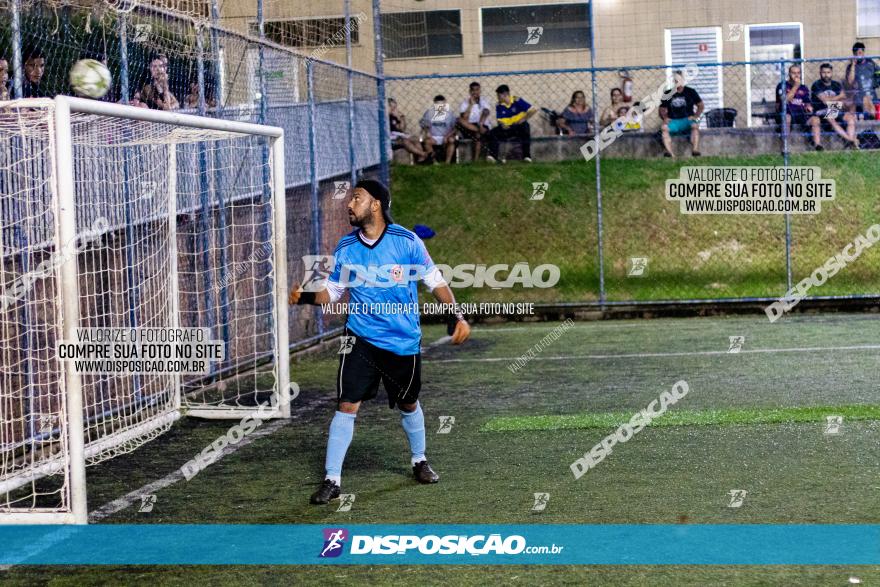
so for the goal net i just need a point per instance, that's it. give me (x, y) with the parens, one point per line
(142, 277)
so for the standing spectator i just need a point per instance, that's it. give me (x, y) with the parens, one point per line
(681, 114)
(32, 85)
(4, 79)
(609, 115)
(156, 94)
(860, 81)
(577, 118)
(439, 123)
(797, 100)
(399, 138)
(512, 114)
(473, 116)
(828, 100)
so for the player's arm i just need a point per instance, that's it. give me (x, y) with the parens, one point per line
(331, 292)
(457, 326)
(299, 297)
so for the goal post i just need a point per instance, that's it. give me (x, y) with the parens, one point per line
(123, 219)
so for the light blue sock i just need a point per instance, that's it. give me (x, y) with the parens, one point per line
(414, 425)
(341, 431)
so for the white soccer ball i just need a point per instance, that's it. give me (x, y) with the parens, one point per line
(90, 78)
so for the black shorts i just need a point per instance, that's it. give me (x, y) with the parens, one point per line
(362, 365)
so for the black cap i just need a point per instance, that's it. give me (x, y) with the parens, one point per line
(378, 190)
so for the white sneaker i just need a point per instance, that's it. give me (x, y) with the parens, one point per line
(527, 159)
(490, 159)
(503, 161)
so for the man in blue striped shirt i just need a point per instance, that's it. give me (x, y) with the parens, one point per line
(380, 264)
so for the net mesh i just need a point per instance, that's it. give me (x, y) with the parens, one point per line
(159, 209)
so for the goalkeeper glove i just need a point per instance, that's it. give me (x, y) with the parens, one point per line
(458, 328)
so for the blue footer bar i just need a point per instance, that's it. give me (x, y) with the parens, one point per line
(611, 544)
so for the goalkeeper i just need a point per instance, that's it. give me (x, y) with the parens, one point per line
(386, 346)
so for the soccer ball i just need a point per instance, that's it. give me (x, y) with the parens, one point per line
(90, 78)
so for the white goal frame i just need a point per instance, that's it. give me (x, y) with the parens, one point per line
(72, 463)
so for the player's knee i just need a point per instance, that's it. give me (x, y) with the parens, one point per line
(407, 407)
(348, 407)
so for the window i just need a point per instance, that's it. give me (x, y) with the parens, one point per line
(549, 27)
(768, 42)
(433, 33)
(868, 18)
(309, 32)
(699, 45)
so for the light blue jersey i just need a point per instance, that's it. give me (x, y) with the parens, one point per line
(382, 280)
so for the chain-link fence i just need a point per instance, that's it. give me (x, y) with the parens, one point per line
(614, 235)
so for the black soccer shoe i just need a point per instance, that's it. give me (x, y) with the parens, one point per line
(327, 491)
(424, 474)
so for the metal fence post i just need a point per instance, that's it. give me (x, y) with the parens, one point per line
(785, 133)
(384, 170)
(315, 245)
(265, 232)
(17, 63)
(123, 58)
(599, 226)
(261, 74)
(218, 60)
(350, 76)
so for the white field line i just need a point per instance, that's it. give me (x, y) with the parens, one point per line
(669, 354)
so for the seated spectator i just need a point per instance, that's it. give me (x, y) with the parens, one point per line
(680, 115)
(399, 138)
(623, 123)
(577, 118)
(137, 102)
(156, 94)
(860, 81)
(512, 114)
(192, 98)
(4, 80)
(609, 115)
(828, 100)
(473, 117)
(32, 86)
(797, 102)
(439, 124)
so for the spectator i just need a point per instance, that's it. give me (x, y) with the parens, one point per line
(681, 114)
(577, 118)
(512, 114)
(828, 100)
(797, 100)
(472, 118)
(609, 115)
(399, 138)
(192, 98)
(136, 101)
(156, 94)
(4, 79)
(439, 124)
(32, 85)
(860, 81)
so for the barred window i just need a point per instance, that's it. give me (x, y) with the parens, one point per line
(310, 32)
(549, 27)
(432, 33)
(868, 18)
